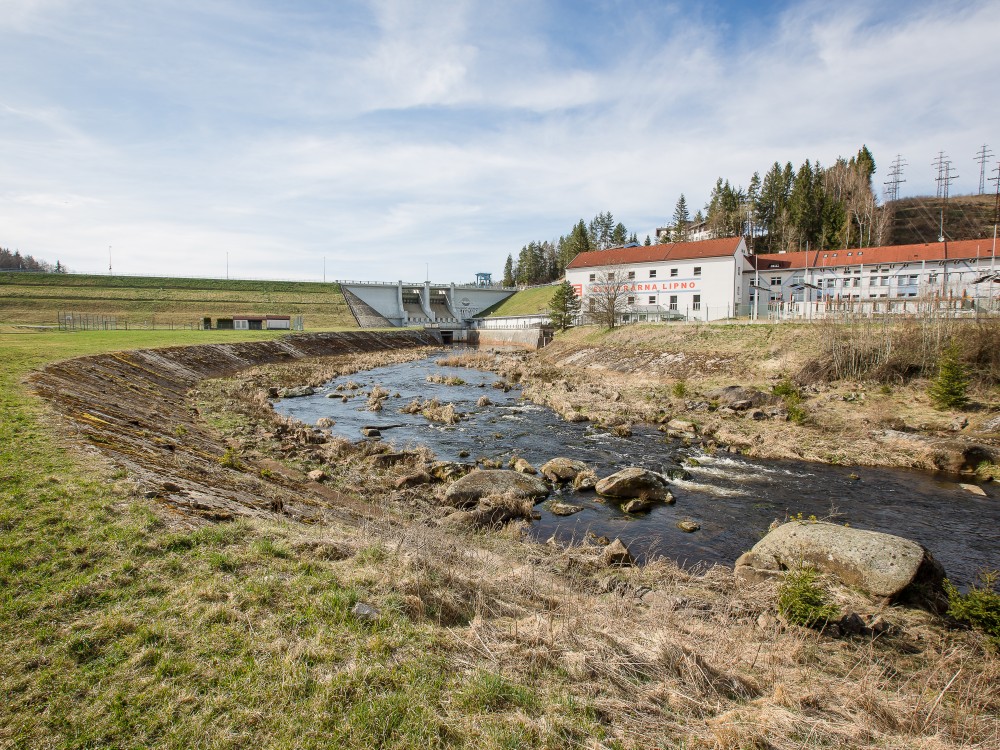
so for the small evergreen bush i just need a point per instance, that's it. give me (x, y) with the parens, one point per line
(802, 601)
(949, 389)
(980, 608)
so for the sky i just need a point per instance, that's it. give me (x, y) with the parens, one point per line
(391, 140)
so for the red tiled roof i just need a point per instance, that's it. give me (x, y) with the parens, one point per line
(620, 256)
(875, 255)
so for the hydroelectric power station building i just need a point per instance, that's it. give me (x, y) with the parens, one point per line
(718, 278)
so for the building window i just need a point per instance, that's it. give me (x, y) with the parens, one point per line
(775, 281)
(856, 282)
(652, 273)
(673, 272)
(631, 301)
(885, 281)
(696, 303)
(932, 278)
(697, 270)
(652, 299)
(593, 277)
(673, 301)
(913, 279)
(631, 274)
(611, 275)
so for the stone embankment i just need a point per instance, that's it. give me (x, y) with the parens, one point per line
(133, 407)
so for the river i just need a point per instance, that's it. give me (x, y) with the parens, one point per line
(733, 498)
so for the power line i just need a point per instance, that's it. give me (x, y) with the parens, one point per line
(982, 157)
(895, 179)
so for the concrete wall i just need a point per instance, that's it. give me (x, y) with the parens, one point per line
(526, 338)
(436, 300)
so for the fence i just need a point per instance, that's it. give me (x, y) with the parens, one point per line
(76, 321)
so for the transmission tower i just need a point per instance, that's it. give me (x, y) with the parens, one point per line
(895, 179)
(945, 177)
(982, 157)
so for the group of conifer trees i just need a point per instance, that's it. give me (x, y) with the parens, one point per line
(14, 261)
(813, 207)
(542, 262)
(787, 209)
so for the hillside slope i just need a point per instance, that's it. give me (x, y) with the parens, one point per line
(140, 301)
(966, 217)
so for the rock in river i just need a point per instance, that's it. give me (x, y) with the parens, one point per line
(881, 564)
(634, 482)
(562, 469)
(297, 392)
(481, 483)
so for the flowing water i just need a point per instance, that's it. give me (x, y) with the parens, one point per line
(733, 498)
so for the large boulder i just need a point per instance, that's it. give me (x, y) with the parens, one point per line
(635, 482)
(562, 469)
(880, 564)
(739, 398)
(482, 483)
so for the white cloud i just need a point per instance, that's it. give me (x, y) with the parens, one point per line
(388, 136)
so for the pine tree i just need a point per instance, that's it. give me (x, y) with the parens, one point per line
(648, 241)
(619, 235)
(564, 306)
(508, 271)
(949, 389)
(681, 220)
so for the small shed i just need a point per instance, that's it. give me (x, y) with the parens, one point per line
(262, 322)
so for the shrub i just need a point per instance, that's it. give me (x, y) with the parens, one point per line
(949, 389)
(785, 388)
(231, 459)
(680, 389)
(980, 608)
(802, 601)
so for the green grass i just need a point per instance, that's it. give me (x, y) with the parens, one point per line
(119, 631)
(141, 301)
(525, 302)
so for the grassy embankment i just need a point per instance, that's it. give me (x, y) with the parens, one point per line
(525, 302)
(140, 302)
(122, 629)
(878, 413)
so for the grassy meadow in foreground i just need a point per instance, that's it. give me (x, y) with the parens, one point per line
(123, 628)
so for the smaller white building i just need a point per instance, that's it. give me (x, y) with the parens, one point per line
(673, 281)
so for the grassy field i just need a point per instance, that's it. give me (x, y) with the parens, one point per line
(142, 302)
(525, 302)
(122, 629)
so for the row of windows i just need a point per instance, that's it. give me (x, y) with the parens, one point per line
(911, 280)
(674, 273)
(695, 301)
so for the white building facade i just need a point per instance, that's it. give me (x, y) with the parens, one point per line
(673, 281)
(717, 279)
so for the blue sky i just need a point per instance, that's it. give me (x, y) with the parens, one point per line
(391, 137)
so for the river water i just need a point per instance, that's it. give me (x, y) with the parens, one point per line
(733, 498)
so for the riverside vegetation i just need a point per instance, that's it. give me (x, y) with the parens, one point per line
(129, 623)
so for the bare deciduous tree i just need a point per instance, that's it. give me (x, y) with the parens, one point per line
(606, 295)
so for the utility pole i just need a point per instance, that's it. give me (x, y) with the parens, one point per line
(109, 261)
(944, 180)
(895, 179)
(982, 157)
(324, 269)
